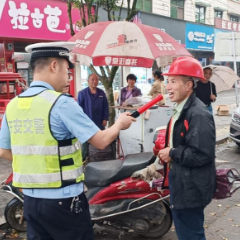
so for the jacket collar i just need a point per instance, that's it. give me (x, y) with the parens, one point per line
(188, 104)
(134, 88)
(41, 83)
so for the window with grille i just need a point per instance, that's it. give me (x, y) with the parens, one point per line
(218, 14)
(177, 9)
(200, 14)
(144, 5)
(234, 18)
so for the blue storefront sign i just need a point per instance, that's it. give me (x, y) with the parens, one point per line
(199, 37)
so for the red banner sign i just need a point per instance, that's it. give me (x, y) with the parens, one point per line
(34, 19)
(227, 25)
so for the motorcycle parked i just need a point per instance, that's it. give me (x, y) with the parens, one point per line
(116, 200)
(13, 211)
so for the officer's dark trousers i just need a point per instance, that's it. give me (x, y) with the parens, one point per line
(52, 219)
(188, 222)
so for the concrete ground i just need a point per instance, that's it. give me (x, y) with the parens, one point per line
(222, 122)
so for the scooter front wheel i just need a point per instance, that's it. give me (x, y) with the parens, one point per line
(158, 230)
(14, 215)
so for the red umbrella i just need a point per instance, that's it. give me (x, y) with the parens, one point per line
(121, 43)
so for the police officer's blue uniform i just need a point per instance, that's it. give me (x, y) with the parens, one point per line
(67, 120)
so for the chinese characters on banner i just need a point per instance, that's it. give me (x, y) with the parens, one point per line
(165, 46)
(120, 61)
(21, 16)
(82, 43)
(131, 61)
(227, 25)
(34, 19)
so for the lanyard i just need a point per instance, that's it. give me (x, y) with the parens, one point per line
(129, 93)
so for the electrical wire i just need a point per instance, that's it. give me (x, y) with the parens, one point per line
(228, 6)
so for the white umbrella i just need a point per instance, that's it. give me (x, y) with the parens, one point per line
(223, 77)
(122, 43)
(125, 44)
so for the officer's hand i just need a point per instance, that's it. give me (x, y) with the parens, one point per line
(125, 120)
(164, 155)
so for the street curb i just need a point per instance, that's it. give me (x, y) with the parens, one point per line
(222, 139)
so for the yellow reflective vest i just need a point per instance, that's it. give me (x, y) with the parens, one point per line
(39, 160)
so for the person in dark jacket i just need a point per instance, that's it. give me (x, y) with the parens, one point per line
(94, 102)
(206, 90)
(189, 153)
(130, 90)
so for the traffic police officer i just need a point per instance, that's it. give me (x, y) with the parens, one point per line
(42, 132)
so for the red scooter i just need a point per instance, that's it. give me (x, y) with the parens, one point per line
(116, 200)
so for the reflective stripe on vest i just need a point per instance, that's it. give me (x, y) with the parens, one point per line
(45, 150)
(47, 178)
(51, 98)
(39, 160)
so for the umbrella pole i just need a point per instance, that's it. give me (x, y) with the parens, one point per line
(120, 84)
(235, 67)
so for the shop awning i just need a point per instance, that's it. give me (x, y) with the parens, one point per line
(220, 9)
(204, 4)
(234, 14)
(21, 57)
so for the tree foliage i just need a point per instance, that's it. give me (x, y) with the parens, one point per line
(113, 10)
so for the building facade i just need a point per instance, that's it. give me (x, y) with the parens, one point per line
(202, 19)
(200, 11)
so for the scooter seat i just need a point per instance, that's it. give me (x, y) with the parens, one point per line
(106, 172)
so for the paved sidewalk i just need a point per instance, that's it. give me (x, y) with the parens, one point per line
(223, 122)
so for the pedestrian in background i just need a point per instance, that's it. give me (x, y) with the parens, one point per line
(206, 90)
(158, 87)
(42, 132)
(189, 153)
(94, 102)
(130, 90)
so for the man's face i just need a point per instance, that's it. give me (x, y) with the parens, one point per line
(62, 77)
(207, 74)
(178, 90)
(93, 81)
(66, 89)
(131, 83)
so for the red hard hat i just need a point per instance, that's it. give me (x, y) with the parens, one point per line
(186, 66)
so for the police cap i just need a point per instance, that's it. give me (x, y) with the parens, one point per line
(52, 49)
